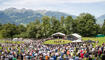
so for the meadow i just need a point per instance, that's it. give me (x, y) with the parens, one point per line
(61, 41)
(100, 39)
(57, 41)
(12, 42)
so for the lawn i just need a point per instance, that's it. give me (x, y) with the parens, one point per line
(13, 42)
(60, 41)
(57, 41)
(0, 36)
(100, 39)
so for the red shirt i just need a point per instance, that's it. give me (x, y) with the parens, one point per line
(82, 55)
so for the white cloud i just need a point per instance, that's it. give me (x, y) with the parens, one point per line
(80, 1)
(24, 2)
(62, 1)
(56, 5)
(41, 3)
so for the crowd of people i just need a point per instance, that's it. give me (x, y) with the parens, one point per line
(36, 50)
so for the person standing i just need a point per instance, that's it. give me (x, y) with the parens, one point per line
(103, 56)
(21, 55)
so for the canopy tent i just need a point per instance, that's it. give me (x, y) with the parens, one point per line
(17, 39)
(74, 37)
(77, 41)
(58, 35)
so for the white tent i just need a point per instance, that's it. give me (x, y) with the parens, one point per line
(15, 39)
(58, 33)
(77, 40)
(78, 36)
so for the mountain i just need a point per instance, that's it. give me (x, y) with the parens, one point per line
(24, 16)
(101, 19)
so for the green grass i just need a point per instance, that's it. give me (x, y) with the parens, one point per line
(1, 36)
(13, 42)
(100, 39)
(57, 41)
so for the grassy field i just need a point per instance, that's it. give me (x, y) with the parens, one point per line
(57, 41)
(100, 39)
(0, 36)
(13, 42)
(60, 41)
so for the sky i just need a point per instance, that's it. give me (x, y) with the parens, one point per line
(73, 7)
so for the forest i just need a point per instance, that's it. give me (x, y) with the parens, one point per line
(84, 24)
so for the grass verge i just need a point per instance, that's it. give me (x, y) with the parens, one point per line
(57, 41)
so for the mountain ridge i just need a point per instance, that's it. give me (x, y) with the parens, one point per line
(100, 19)
(24, 16)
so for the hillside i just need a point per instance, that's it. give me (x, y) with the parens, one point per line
(101, 19)
(24, 16)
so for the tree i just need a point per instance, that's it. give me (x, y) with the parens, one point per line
(21, 28)
(62, 20)
(75, 26)
(86, 25)
(21, 31)
(103, 28)
(68, 24)
(55, 25)
(9, 30)
(0, 26)
(34, 29)
(37, 21)
(46, 26)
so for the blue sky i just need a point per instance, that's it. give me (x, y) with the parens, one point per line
(74, 7)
